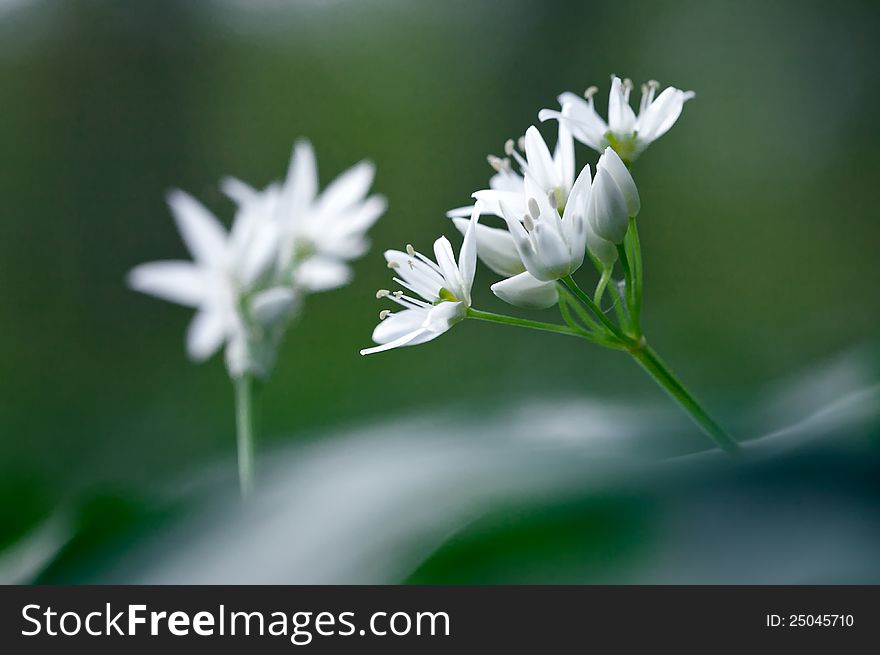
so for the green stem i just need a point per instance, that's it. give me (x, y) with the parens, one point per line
(244, 422)
(537, 325)
(600, 288)
(579, 293)
(654, 366)
(567, 300)
(629, 291)
(634, 252)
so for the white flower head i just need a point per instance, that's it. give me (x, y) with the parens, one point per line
(629, 134)
(319, 233)
(614, 200)
(286, 240)
(442, 292)
(223, 282)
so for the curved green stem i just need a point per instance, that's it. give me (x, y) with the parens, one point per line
(244, 422)
(538, 325)
(634, 253)
(654, 366)
(600, 288)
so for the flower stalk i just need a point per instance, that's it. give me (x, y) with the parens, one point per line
(244, 424)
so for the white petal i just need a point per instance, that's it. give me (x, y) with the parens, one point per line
(347, 189)
(506, 181)
(492, 199)
(581, 118)
(563, 156)
(420, 335)
(661, 114)
(319, 273)
(621, 117)
(273, 305)
(201, 231)
(443, 316)
(301, 184)
(611, 162)
(495, 248)
(181, 282)
(541, 166)
(399, 324)
(366, 214)
(467, 256)
(446, 261)
(461, 212)
(238, 191)
(574, 218)
(553, 252)
(205, 334)
(259, 254)
(525, 290)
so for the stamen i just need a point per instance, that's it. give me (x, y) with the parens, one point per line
(653, 84)
(381, 293)
(627, 84)
(499, 164)
(534, 210)
(508, 147)
(385, 313)
(410, 250)
(398, 294)
(393, 264)
(528, 223)
(590, 92)
(521, 143)
(554, 201)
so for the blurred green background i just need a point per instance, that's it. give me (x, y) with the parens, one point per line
(759, 224)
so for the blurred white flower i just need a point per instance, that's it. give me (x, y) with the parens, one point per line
(286, 240)
(626, 132)
(318, 233)
(444, 288)
(615, 198)
(225, 270)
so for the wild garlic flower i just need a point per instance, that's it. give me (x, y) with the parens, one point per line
(286, 241)
(319, 233)
(629, 134)
(443, 289)
(225, 282)
(615, 198)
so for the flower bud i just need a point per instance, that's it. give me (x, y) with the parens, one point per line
(612, 162)
(607, 212)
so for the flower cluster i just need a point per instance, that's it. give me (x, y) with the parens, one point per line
(286, 241)
(554, 216)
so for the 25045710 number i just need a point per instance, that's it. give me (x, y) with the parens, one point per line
(810, 621)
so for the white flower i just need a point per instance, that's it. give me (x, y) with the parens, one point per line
(222, 282)
(627, 133)
(615, 198)
(444, 290)
(551, 246)
(319, 232)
